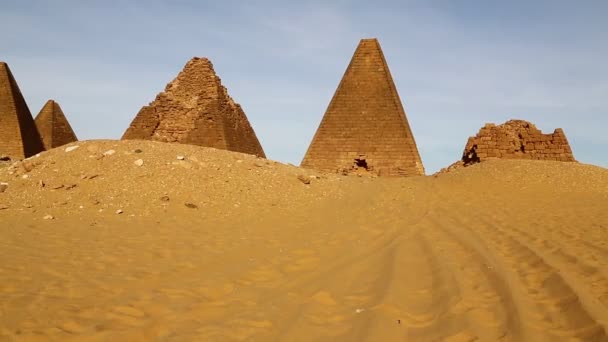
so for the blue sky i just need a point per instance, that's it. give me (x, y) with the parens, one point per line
(456, 64)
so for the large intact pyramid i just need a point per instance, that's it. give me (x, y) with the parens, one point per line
(196, 109)
(54, 128)
(19, 137)
(364, 127)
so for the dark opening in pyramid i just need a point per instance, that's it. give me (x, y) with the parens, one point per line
(365, 127)
(54, 128)
(196, 109)
(19, 137)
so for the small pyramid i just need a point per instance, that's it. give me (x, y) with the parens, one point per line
(365, 128)
(54, 128)
(196, 109)
(516, 139)
(19, 137)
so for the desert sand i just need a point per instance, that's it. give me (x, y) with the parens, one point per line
(156, 241)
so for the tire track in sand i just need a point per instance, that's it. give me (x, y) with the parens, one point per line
(549, 307)
(490, 311)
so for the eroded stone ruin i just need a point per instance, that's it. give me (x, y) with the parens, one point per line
(19, 137)
(196, 109)
(515, 139)
(53, 126)
(365, 127)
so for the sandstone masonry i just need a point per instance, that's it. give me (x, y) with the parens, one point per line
(54, 128)
(516, 139)
(196, 109)
(19, 137)
(365, 127)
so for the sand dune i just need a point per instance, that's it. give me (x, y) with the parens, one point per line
(221, 246)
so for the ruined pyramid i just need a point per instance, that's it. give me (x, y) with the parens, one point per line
(54, 128)
(364, 127)
(19, 137)
(196, 109)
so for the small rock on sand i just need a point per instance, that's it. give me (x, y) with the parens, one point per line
(181, 157)
(139, 162)
(191, 205)
(71, 148)
(3, 187)
(119, 211)
(304, 179)
(49, 217)
(109, 152)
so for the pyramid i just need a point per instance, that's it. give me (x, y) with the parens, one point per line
(364, 127)
(516, 139)
(196, 109)
(19, 137)
(54, 128)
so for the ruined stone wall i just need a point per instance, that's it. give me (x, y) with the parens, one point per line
(54, 128)
(365, 126)
(195, 109)
(517, 139)
(19, 137)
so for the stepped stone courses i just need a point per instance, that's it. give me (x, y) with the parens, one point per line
(196, 109)
(516, 139)
(54, 128)
(365, 127)
(19, 137)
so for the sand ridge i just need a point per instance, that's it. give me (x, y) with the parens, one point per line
(507, 250)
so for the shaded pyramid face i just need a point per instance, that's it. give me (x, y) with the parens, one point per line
(54, 128)
(196, 109)
(364, 127)
(19, 137)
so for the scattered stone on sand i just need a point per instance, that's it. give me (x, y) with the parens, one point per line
(119, 211)
(181, 157)
(3, 187)
(258, 163)
(165, 198)
(191, 205)
(25, 176)
(3, 206)
(304, 179)
(71, 148)
(41, 184)
(137, 151)
(139, 162)
(71, 186)
(49, 217)
(109, 152)
(57, 187)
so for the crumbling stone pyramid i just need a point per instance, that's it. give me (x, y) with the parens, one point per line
(365, 127)
(516, 139)
(54, 128)
(196, 109)
(19, 137)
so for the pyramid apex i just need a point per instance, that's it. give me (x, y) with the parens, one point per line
(202, 60)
